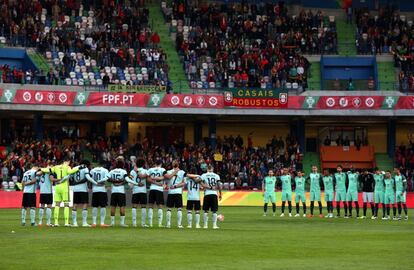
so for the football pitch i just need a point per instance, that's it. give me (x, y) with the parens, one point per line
(245, 240)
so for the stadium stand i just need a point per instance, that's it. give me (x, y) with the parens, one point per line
(88, 44)
(258, 45)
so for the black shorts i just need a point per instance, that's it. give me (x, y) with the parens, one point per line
(175, 200)
(99, 199)
(156, 196)
(210, 203)
(193, 205)
(46, 198)
(80, 197)
(139, 198)
(29, 200)
(118, 199)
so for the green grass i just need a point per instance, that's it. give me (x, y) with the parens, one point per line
(246, 240)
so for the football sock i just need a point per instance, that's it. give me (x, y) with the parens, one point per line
(150, 215)
(179, 216)
(41, 210)
(23, 215)
(143, 215)
(94, 214)
(160, 214)
(134, 216)
(32, 215)
(84, 216)
(74, 217)
(265, 207)
(103, 215)
(48, 215)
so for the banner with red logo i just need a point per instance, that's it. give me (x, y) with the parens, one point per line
(193, 101)
(40, 97)
(117, 99)
(350, 102)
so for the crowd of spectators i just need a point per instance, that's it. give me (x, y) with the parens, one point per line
(404, 159)
(238, 164)
(257, 45)
(83, 38)
(388, 32)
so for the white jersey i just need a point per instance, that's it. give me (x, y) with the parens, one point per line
(80, 176)
(175, 180)
(212, 180)
(138, 180)
(156, 172)
(118, 174)
(100, 175)
(29, 176)
(193, 190)
(45, 184)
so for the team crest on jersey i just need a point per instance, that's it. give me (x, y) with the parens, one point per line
(175, 100)
(212, 101)
(370, 102)
(27, 96)
(63, 98)
(356, 102)
(187, 100)
(330, 102)
(228, 96)
(343, 102)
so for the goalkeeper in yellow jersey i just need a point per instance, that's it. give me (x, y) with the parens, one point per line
(61, 194)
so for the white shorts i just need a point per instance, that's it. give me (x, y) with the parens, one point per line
(368, 197)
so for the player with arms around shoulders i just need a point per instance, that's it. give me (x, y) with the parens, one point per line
(99, 194)
(315, 190)
(29, 194)
(379, 192)
(340, 191)
(46, 179)
(175, 191)
(268, 188)
(389, 195)
(368, 183)
(118, 178)
(139, 192)
(212, 194)
(193, 200)
(328, 191)
(352, 192)
(81, 194)
(156, 177)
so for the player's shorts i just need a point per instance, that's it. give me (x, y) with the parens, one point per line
(139, 198)
(269, 196)
(210, 203)
(368, 197)
(118, 199)
(193, 205)
(329, 196)
(389, 198)
(99, 199)
(379, 196)
(352, 196)
(80, 197)
(300, 197)
(62, 194)
(156, 196)
(46, 198)
(175, 201)
(340, 196)
(286, 196)
(401, 197)
(29, 200)
(315, 195)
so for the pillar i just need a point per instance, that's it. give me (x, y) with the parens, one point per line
(212, 132)
(198, 132)
(124, 129)
(297, 130)
(38, 126)
(391, 137)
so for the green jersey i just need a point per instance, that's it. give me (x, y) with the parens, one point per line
(269, 183)
(286, 183)
(340, 179)
(353, 181)
(315, 179)
(300, 184)
(389, 185)
(400, 182)
(328, 183)
(379, 182)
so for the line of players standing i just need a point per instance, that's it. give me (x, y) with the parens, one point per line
(378, 188)
(157, 177)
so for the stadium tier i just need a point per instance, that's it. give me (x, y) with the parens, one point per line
(144, 115)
